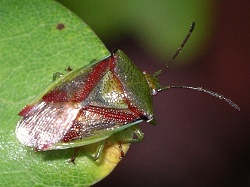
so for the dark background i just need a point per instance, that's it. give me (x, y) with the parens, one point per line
(199, 140)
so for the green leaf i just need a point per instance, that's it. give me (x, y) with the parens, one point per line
(37, 39)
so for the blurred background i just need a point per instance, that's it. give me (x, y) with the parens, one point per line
(199, 140)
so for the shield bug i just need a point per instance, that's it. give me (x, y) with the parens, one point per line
(90, 104)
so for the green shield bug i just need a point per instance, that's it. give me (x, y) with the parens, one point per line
(90, 104)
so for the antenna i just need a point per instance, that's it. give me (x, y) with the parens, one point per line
(177, 51)
(200, 89)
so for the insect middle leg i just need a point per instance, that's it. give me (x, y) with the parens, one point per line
(94, 157)
(139, 134)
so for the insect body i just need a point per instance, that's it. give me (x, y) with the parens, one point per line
(91, 103)
(87, 105)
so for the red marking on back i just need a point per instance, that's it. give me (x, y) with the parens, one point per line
(81, 93)
(102, 116)
(25, 110)
(73, 132)
(109, 113)
(95, 76)
(74, 129)
(133, 109)
(56, 96)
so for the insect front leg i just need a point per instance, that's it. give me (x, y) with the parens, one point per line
(56, 76)
(139, 134)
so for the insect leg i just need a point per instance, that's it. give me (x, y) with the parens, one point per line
(72, 160)
(138, 133)
(94, 157)
(56, 76)
(139, 138)
(98, 152)
(68, 69)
